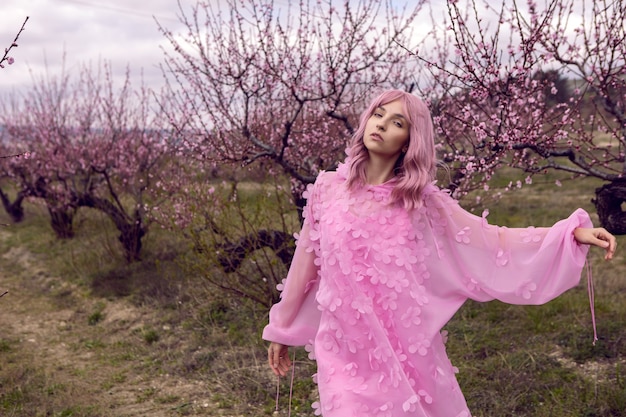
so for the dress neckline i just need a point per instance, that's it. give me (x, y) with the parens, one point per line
(342, 170)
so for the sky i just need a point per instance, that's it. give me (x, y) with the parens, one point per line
(82, 32)
(77, 32)
(73, 33)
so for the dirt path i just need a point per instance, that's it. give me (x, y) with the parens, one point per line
(92, 354)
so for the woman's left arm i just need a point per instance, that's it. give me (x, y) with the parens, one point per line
(530, 265)
(597, 236)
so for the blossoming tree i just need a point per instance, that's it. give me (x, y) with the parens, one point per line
(259, 80)
(485, 71)
(92, 144)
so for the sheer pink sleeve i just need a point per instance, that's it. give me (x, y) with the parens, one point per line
(294, 320)
(515, 265)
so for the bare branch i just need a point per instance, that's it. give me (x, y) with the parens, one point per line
(6, 57)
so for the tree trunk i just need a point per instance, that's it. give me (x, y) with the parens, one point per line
(234, 253)
(608, 202)
(62, 221)
(300, 202)
(130, 238)
(132, 229)
(14, 209)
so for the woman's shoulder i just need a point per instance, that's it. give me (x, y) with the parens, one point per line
(327, 177)
(432, 190)
(438, 198)
(322, 184)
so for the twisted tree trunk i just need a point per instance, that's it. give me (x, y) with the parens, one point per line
(234, 253)
(62, 221)
(132, 229)
(608, 202)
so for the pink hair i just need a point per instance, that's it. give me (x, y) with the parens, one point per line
(414, 169)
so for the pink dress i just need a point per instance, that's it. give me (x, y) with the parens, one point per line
(371, 286)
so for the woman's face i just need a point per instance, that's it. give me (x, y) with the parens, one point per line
(387, 131)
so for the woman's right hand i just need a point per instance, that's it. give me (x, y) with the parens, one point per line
(278, 358)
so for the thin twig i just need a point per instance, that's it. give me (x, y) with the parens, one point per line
(15, 155)
(14, 43)
(4, 293)
(405, 48)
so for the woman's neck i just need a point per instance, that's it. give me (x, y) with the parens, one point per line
(379, 171)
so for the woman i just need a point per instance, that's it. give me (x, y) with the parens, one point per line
(384, 260)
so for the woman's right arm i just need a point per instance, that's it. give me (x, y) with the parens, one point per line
(295, 318)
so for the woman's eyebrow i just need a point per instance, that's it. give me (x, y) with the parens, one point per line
(400, 115)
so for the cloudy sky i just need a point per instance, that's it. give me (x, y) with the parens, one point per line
(75, 32)
(78, 32)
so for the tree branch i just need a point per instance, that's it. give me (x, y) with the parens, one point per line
(6, 56)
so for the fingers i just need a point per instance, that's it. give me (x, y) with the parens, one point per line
(278, 358)
(611, 246)
(598, 237)
(605, 240)
(273, 357)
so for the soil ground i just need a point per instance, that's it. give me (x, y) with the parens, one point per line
(100, 355)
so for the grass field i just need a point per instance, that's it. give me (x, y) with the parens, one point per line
(82, 333)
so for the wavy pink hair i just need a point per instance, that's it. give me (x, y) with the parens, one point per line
(416, 168)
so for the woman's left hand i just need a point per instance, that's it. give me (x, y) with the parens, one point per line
(597, 236)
